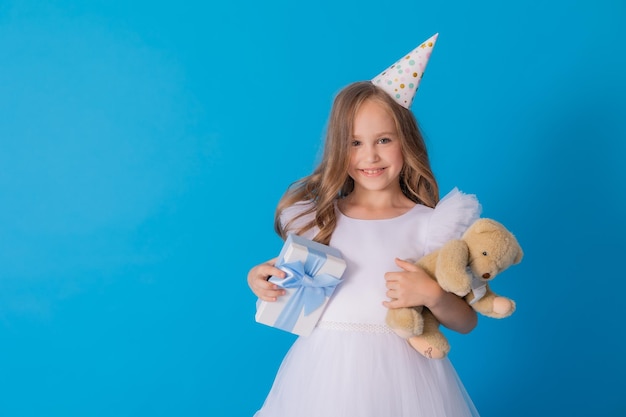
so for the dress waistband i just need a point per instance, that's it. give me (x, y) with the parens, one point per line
(355, 327)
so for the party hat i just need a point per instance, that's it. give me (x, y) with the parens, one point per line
(401, 80)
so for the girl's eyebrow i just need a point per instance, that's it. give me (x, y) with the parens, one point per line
(377, 135)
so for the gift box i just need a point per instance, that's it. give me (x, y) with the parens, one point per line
(313, 271)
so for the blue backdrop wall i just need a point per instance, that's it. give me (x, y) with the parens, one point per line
(144, 145)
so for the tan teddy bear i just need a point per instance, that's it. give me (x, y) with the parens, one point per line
(463, 267)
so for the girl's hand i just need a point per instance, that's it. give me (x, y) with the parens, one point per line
(259, 284)
(414, 287)
(411, 287)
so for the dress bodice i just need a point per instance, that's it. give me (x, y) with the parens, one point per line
(371, 246)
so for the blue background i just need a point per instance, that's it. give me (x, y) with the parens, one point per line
(144, 146)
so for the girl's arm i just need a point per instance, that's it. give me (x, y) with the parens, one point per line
(259, 284)
(414, 287)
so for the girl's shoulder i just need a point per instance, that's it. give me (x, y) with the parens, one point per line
(297, 215)
(454, 213)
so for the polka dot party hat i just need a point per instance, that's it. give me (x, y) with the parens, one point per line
(401, 80)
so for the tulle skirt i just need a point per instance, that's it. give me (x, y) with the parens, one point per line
(345, 373)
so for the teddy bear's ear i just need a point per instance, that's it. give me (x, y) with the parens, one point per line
(485, 225)
(519, 255)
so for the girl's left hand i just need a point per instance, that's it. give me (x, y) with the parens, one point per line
(411, 287)
(259, 284)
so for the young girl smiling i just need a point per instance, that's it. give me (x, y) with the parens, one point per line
(374, 197)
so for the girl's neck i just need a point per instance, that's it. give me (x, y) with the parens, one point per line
(375, 205)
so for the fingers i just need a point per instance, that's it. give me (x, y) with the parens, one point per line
(268, 291)
(259, 284)
(393, 303)
(395, 289)
(394, 281)
(399, 276)
(267, 270)
(265, 290)
(407, 266)
(404, 287)
(393, 293)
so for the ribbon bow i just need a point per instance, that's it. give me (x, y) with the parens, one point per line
(311, 291)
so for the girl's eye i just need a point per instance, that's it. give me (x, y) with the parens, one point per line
(384, 140)
(355, 143)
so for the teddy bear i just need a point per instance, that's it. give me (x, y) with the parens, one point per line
(464, 267)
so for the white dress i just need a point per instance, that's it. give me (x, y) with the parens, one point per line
(353, 365)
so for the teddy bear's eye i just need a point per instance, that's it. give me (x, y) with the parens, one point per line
(485, 253)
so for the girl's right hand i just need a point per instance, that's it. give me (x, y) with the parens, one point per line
(259, 284)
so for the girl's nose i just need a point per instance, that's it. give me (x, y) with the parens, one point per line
(372, 154)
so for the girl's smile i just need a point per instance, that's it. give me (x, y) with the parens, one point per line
(372, 172)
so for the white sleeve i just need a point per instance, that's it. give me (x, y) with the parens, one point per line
(292, 212)
(451, 217)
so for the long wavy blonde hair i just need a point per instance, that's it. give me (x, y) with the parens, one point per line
(330, 180)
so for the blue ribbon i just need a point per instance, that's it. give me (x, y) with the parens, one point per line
(311, 288)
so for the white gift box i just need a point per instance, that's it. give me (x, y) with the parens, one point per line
(313, 271)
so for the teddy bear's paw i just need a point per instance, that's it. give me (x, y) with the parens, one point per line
(428, 350)
(503, 307)
(405, 322)
(457, 287)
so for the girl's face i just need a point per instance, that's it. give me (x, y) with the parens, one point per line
(375, 150)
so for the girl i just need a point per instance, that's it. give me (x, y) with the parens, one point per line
(374, 197)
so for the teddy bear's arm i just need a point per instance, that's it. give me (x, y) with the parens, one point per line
(452, 272)
(492, 305)
(405, 321)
